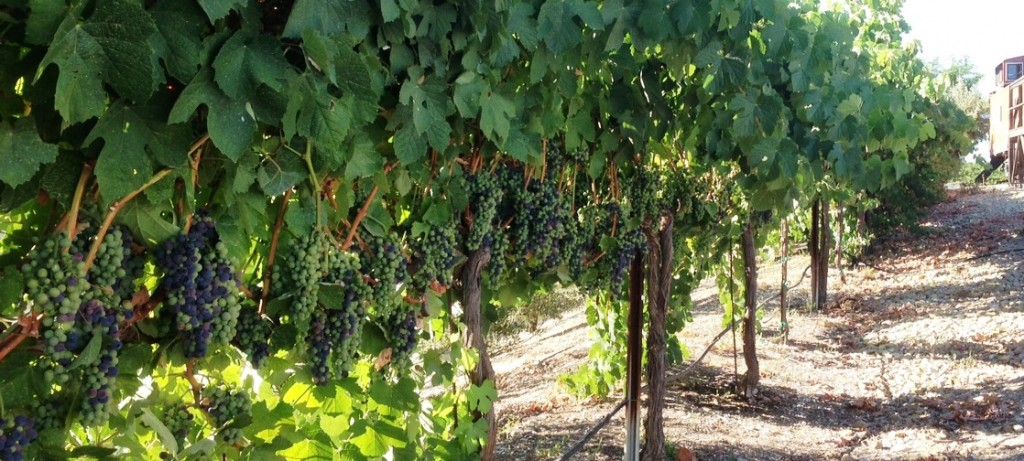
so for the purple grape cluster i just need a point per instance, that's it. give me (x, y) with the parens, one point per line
(541, 219)
(319, 351)
(16, 434)
(401, 332)
(485, 194)
(202, 290)
(344, 326)
(629, 243)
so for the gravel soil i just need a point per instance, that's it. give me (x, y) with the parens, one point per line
(920, 356)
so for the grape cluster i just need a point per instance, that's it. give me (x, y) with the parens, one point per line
(55, 281)
(225, 405)
(400, 328)
(97, 322)
(642, 194)
(498, 265)
(541, 219)
(179, 422)
(485, 194)
(388, 269)
(300, 275)
(252, 336)
(345, 316)
(319, 352)
(15, 434)
(629, 243)
(202, 291)
(435, 257)
(49, 414)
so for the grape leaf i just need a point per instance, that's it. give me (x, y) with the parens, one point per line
(495, 112)
(180, 24)
(123, 165)
(217, 9)
(281, 173)
(230, 123)
(11, 286)
(22, 152)
(245, 63)
(44, 19)
(112, 45)
(329, 18)
(313, 113)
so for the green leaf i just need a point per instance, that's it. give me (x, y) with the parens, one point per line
(229, 122)
(365, 161)
(90, 354)
(410, 148)
(557, 26)
(245, 63)
(308, 449)
(430, 109)
(481, 397)
(123, 165)
(329, 18)
(281, 173)
(22, 152)
(389, 10)
(217, 9)
(12, 283)
(148, 221)
(180, 25)
(112, 45)
(43, 21)
(377, 439)
(495, 112)
(313, 113)
(851, 105)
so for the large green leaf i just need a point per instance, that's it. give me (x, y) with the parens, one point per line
(22, 152)
(244, 63)
(229, 121)
(123, 165)
(111, 46)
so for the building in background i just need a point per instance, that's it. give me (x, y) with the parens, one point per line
(1006, 121)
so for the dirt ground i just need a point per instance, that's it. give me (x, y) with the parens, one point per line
(919, 357)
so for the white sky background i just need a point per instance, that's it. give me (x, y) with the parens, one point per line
(983, 31)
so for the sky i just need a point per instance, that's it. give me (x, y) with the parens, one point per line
(980, 30)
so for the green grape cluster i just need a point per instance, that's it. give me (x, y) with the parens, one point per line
(179, 422)
(301, 272)
(55, 281)
(252, 335)
(388, 269)
(435, 256)
(224, 406)
(49, 414)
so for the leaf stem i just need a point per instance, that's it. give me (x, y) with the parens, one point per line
(273, 252)
(359, 218)
(116, 208)
(76, 203)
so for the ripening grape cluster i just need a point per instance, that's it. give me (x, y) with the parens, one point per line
(543, 228)
(55, 283)
(388, 269)
(642, 194)
(252, 335)
(629, 243)
(15, 434)
(400, 328)
(300, 273)
(485, 194)
(435, 257)
(178, 421)
(224, 405)
(345, 316)
(202, 291)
